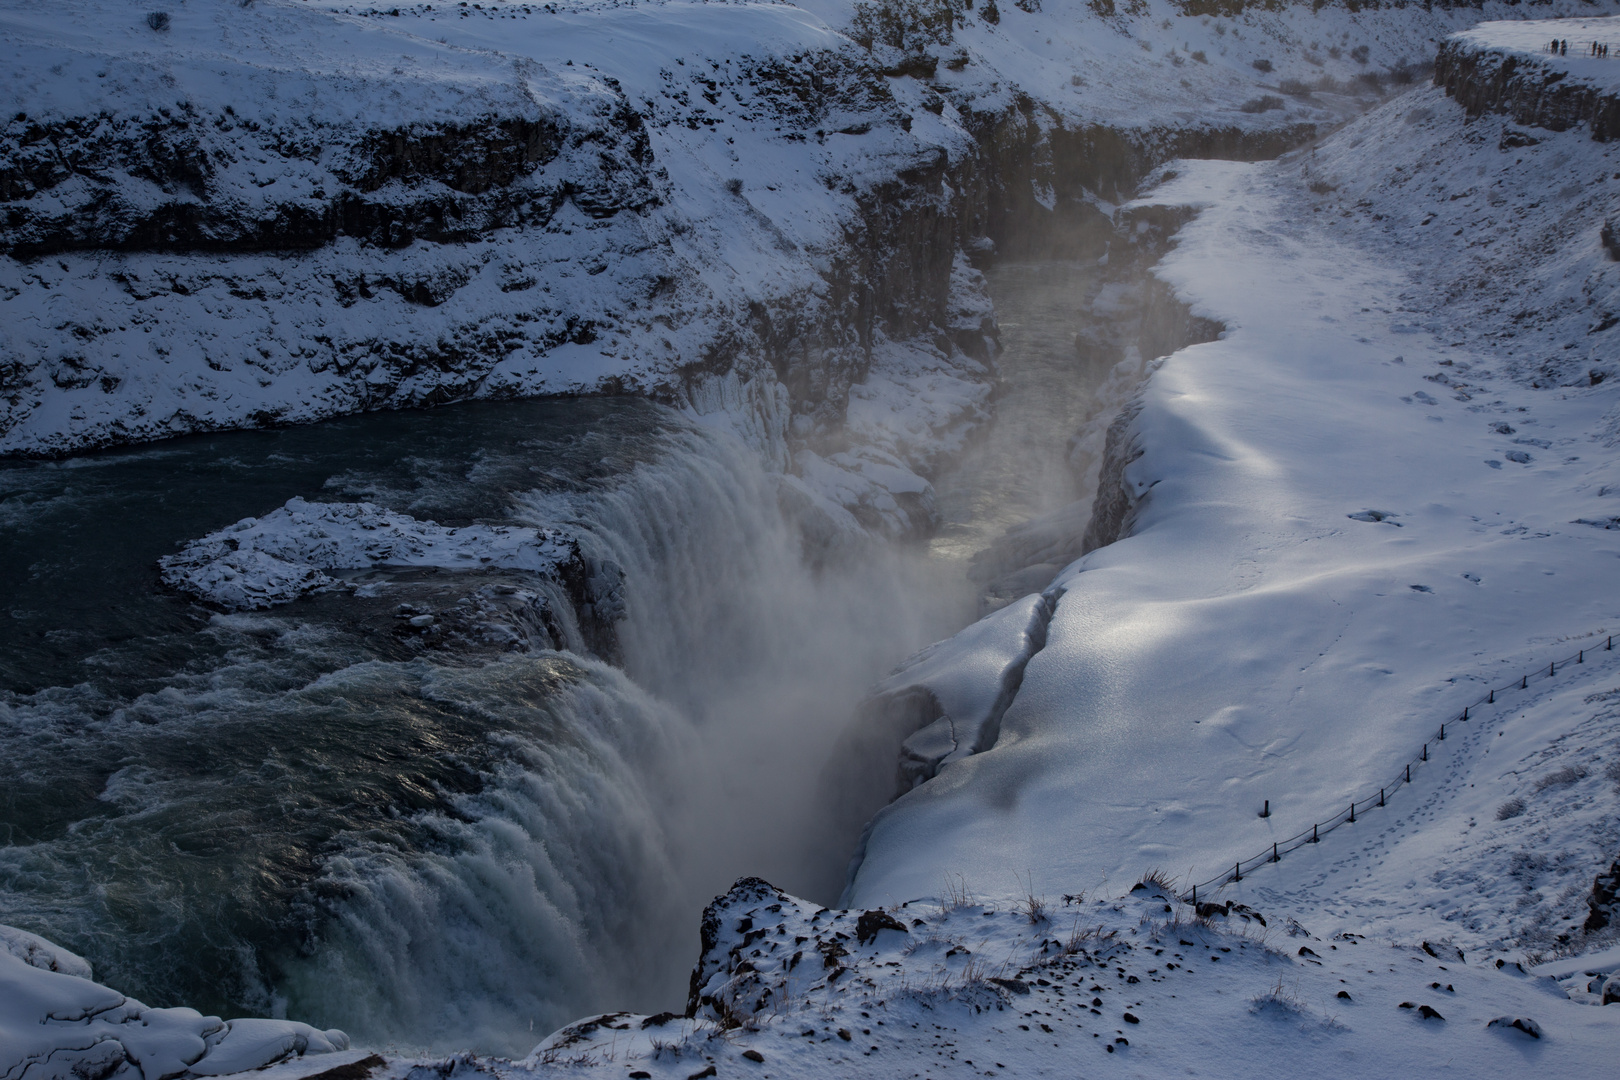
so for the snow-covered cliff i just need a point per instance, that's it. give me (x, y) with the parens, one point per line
(251, 214)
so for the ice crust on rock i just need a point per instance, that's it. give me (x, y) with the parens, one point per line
(56, 1024)
(971, 678)
(293, 551)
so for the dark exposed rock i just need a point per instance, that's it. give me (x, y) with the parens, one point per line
(446, 183)
(746, 891)
(1116, 497)
(870, 922)
(1444, 950)
(1521, 1024)
(1604, 903)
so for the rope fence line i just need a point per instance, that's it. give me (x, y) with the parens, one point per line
(1348, 816)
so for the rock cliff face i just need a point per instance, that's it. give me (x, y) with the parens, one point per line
(1532, 92)
(1036, 184)
(275, 214)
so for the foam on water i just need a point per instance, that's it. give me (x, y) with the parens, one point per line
(293, 813)
(438, 850)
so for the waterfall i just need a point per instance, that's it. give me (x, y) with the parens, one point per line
(623, 800)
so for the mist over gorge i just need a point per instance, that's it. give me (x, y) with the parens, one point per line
(483, 478)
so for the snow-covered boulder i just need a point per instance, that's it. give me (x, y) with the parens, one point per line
(56, 1024)
(294, 550)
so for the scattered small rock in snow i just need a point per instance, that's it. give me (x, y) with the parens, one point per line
(1444, 950)
(1517, 1023)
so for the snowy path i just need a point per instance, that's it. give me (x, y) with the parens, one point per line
(1481, 712)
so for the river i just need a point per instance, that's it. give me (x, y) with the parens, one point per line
(303, 812)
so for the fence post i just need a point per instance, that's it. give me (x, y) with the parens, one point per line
(1274, 856)
(1380, 796)
(1442, 733)
(1425, 751)
(1465, 712)
(1352, 812)
(1524, 683)
(1314, 838)
(1195, 896)
(1610, 643)
(1492, 699)
(1237, 872)
(1580, 657)
(1552, 668)
(1408, 772)
(1267, 811)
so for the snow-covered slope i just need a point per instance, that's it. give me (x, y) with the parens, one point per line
(1260, 636)
(1381, 492)
(1135, 984)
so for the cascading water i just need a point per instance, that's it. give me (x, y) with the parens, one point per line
(583, 873)
(305, 812)
(291, 812)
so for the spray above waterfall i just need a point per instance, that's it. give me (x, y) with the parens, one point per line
(503, 695)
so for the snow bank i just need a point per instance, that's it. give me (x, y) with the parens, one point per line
(970, 680)
(260, 562)
(55, 1024)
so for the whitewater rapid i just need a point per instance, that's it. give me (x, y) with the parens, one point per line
(306, 812)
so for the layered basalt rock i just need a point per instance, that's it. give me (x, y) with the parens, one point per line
(1525, 88)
